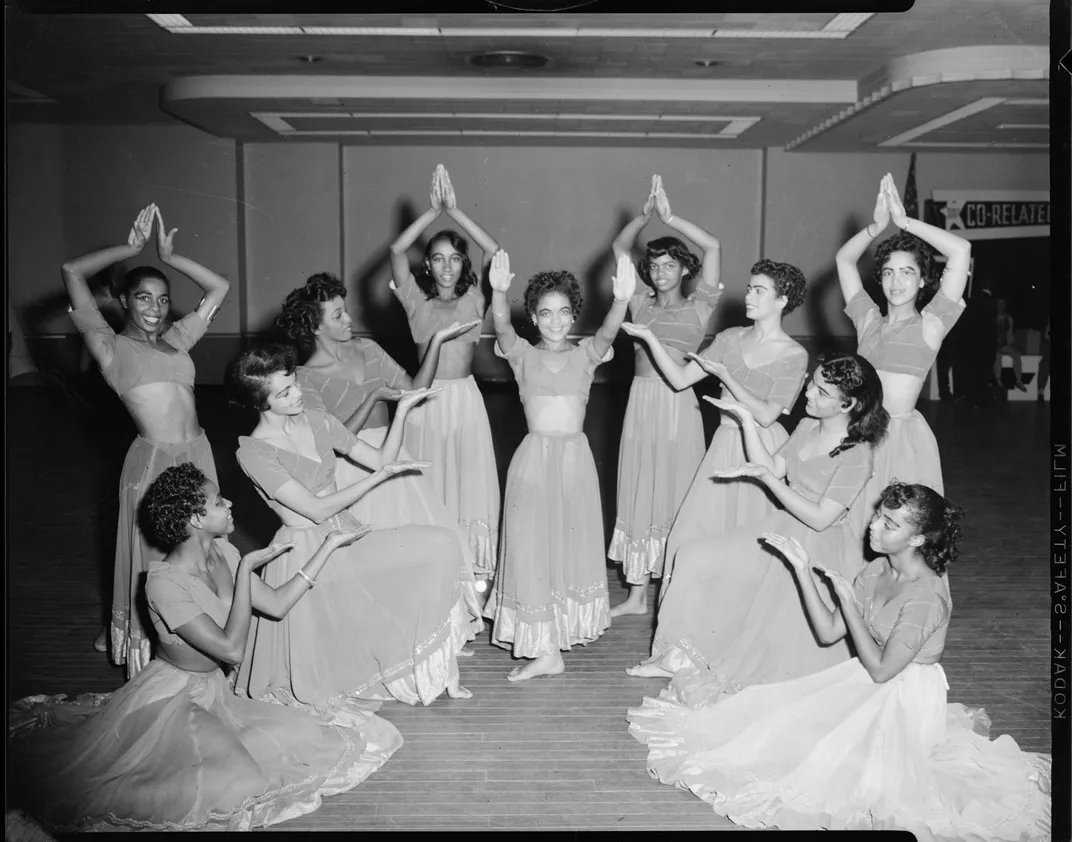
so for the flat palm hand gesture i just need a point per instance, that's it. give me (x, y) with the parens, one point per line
(734, 407)
(410, 399)
(625, 279)
(662, 204)
(142, 228)
(499, 275)
(343, 537)
(258, 558)
(165, 243)
(641, 332)
(649, 203)
(747, 469)
(712, 367)
(446, 189)
(882, 209)
(404, 466)
(897, 209)
(435, 195)
(455, 330)
(791, 548)
(840, 584)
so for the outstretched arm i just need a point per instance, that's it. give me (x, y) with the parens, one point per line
(711, 269)
(828, 623)
(849, 255)
(754, 448)
(626, 239)
(400, 247)
(277, 602)
(764, 412)
(500, 276)
(677, 375)
(625, 281)
(356, 422)
(482, 238)
(214, 286)
(375, 458)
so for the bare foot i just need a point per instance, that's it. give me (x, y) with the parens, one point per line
(629, 607)
(544, 665)
(456, 691)
(101, 643)
(648, 671)
(466, 651)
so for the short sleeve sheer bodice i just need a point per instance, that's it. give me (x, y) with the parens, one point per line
(535, 378)
(137, 363)
(340, 396)
(899, 348)
(778, 381)
(683, 327)
(840, 477)
(175, 597)
(427, 316)
(918, 617)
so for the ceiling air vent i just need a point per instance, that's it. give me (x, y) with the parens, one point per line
(508, 59)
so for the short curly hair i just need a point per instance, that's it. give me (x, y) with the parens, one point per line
(922, 253)
(932, 516)
(170, 501)
(247, 374)
(675, 249)
(788, 280)
(423, 276)
(303, 308)
(544, 283)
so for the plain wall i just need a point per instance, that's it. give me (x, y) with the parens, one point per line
(265, 216)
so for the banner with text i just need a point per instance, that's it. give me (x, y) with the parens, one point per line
(990, 214)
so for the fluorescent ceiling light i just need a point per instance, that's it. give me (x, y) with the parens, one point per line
(848, 21)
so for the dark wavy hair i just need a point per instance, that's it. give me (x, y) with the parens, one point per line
(788, 280)
(247, 374)
(303, 308)
(423, 276)
(170, 501)
(923, 253)
(544, 283)
(856, 379)
(932, 516)
(135, 276)
(674, 248)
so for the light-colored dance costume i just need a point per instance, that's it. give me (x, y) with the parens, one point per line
(551, 591)
(177, 750)
(136, 364)
(837, 750)
(389, 612)
(909, 453)
(713, 505)
(732, 615)
(403, 499)
(452, 430)
(662, 438)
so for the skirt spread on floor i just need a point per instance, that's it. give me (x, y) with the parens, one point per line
(661, 447)
(551, 591)
(145, 461)
(453, 433)
(177, 750)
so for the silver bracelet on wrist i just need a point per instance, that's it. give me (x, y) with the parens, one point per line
(312, 584)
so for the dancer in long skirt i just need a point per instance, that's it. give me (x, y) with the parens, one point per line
(350, 377)
(662, 435)
(148, 365)
(175, 749)
(870, 743)
(396, 606)
(904, 343)
(551, 590)
(762, 368)
(731, 615)
(452, 431)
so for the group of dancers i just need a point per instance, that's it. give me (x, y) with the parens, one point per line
(370, 588)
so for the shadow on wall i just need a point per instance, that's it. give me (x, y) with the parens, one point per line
(824, 285)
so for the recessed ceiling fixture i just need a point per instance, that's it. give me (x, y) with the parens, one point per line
(507, 59)
(707, 62)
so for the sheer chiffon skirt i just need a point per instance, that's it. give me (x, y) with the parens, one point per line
(733, 614)
(836, 750)
(452, 432)
(177, 750)
(713, 505)
(385, 620)
(661, 447)
(551, 591)
(408, 499)
(145, 461)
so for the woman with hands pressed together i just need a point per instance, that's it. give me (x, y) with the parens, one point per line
(149, 367)
(662, 435)
(175, 749)
(731, 615)
(551, 590)
(760, 367)
(870, 743)
(452, 432)
(903, 345)
(397, 606)
(349, 377)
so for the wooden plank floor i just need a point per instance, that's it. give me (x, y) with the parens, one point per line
(552, 753)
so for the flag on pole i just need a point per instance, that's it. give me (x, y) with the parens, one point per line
(911, 198)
